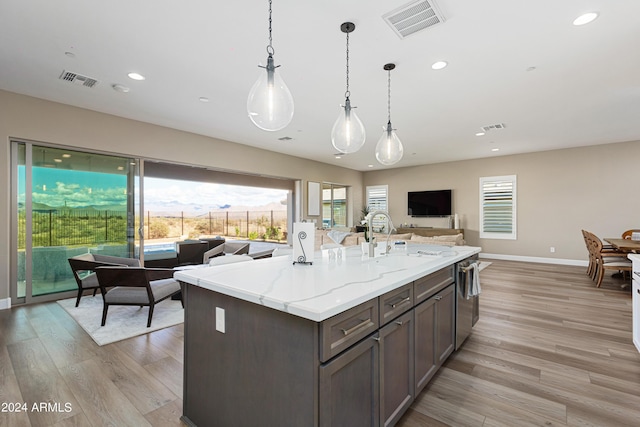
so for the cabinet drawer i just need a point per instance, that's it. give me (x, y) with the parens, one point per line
(432, 283)
(396, 302)
(345, 329)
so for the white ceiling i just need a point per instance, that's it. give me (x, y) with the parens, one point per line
(584, 90)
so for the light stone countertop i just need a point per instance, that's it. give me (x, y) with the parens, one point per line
(330, 285)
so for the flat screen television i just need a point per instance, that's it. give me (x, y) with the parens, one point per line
(429, 203)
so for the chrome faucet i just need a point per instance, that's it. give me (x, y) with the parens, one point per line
(372, 244)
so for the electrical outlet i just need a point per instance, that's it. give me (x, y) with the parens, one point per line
(552, 249)
(220, 322)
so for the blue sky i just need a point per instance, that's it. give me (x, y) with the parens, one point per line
(56, 187)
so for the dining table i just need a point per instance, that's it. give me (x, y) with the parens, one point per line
(624, 245)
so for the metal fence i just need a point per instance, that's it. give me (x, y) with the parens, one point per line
(249, 224)
(68, 227)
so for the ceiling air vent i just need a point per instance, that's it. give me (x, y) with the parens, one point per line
(494, 127)
(78, 79)
(413, 17)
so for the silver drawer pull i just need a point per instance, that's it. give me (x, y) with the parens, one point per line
(399, 303)
(376, 339)
(438, 297)
(400, 322)
(363, 324)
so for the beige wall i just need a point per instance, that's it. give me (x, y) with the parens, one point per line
(559, 193)
(43, 121)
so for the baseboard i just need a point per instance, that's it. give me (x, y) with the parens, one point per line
(5, 303)
(539, 260)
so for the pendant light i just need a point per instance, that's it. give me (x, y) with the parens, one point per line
(389, 149)
(348, 134)
(270, 104)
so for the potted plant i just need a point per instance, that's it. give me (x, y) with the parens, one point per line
(363, 227)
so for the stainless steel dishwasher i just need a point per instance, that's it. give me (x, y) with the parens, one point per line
(467, 309)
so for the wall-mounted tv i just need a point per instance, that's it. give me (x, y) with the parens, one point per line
(429, 203)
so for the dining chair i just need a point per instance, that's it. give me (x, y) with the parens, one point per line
(591, 240)
(594, 254)
(607, 260)
(627, 234)
(591, 267)
(135, 286)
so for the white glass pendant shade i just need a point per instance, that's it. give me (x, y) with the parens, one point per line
(389, 149)
(348, 134)
(270, 104)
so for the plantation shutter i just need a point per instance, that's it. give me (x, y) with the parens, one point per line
(377, 200)
(498, 207)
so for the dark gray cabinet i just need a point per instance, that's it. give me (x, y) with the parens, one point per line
(349, 387)
(396, 368)
(445, 323)
(343, 330)
(434, 334)
(396, 302)
(425, 358)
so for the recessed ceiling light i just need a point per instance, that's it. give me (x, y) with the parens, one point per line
(369, 166)
(203, 99)
(338, 156)
(66, 156)
(136, 76)
(480, 134)
(439, 65)
(585, 19)
(57, 160)
(495, 149)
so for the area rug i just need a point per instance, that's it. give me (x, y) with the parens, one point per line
(122, 321)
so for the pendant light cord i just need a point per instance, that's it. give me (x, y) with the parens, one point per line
(389, 96)
(270, 49)
(347, 93)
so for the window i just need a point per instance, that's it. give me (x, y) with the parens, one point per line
(377, 200)
(498, 207)
(334, 205)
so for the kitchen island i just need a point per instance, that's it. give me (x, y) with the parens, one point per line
(348, 340)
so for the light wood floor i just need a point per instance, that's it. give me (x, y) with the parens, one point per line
(549, 350)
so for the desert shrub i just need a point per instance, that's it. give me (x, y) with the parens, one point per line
(158, 230)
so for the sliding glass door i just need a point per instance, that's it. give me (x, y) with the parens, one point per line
(67, 203)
